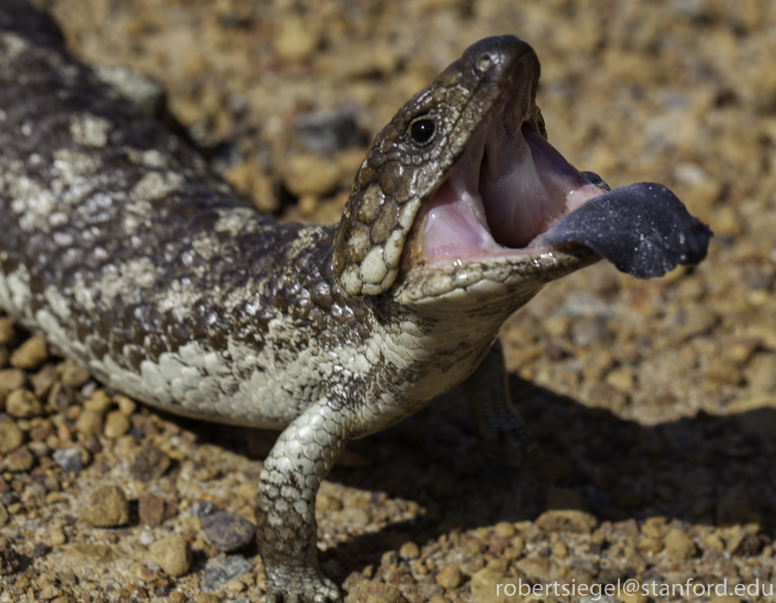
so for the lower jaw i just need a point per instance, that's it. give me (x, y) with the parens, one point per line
(450, 233)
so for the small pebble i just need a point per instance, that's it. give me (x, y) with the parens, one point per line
(535, 567)
(713, 541)
(499, 564)
(92, 445)
(89, 423)
(99, 401)
(22, 404)
(648, 544)
(310, 175)
(11, 437)
(678, 545)
(219, 570)
(116, 425)
(88, 555)
(567, 519)
(356, 516)
(560, 550)
(235, 586)
(654, 527)
(296, 40)
(151, 509)
(504, 529)
(31, 354)
(497, 544)
(19, 460)
(368, 591)
(11, 379)
(621, 379)
(518, 544)
(449, 577)
(7, 330)
(69, 459)
(126, 406)
(61, 397)
(148, 463)
(57, 537)
(409, 550)
(173, 554)
(107, 508)
(3, 515)
(49, 591)
(484, 586)
(125, 446)
(43, 380)
(228, 531)
(725, 371)
(146, 537)
(88, 389)
(74, 375)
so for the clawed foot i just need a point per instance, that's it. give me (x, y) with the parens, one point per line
(311, 588)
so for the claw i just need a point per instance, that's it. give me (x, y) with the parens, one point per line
(309, 589)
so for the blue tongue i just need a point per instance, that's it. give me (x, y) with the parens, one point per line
(643, 229)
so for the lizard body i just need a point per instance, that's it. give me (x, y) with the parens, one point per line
(131, 256)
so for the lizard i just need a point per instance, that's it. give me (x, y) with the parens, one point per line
(135, 259)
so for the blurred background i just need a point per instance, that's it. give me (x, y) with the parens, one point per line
(653, 402)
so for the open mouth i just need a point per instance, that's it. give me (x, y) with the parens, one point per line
(462, 187)
(508, 187)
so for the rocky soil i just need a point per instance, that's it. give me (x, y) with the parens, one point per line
(653, 403)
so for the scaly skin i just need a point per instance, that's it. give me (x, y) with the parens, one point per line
(132, 257)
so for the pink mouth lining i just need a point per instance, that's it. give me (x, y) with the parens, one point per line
(506, 190)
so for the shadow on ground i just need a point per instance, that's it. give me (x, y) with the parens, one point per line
(714, 470)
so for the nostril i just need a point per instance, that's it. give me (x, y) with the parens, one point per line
(486, 61)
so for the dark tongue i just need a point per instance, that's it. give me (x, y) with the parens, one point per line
(643, 229)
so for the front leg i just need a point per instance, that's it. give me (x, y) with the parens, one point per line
(287, 531)
(500, 426)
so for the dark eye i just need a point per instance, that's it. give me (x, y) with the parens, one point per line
(422, 130)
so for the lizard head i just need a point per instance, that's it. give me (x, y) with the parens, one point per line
(461, 178)
(460, 197)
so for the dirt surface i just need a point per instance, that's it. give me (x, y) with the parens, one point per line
(653, 402)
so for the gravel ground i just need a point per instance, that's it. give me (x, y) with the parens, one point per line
(653, 403)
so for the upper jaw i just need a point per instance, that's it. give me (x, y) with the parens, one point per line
(508, 187)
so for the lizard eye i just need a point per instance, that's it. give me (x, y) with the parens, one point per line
(422, 131)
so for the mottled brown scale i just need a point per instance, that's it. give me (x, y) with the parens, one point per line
(406, 187)
(384, 223)
(390, 177)
(358, 242)
(371, 202)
